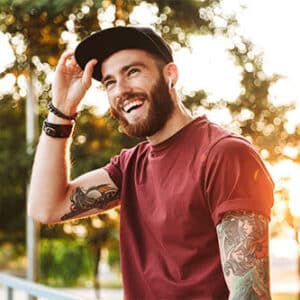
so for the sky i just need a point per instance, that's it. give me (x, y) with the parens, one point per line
(274, 27)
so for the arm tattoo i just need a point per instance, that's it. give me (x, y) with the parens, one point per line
(243, 239)
(99, 197)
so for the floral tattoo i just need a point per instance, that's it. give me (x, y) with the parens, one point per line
(100, 197)
(243, 239)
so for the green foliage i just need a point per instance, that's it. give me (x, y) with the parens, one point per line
(34, 7)
(37, 24)
(65, 262)
(114, 257)
(14, 170)
(11, 257)
(266, 127)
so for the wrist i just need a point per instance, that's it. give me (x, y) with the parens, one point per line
(58, 130)
(52, 118)
(64, 108)
(59, 113)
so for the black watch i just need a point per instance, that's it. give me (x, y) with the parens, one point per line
(58, 130)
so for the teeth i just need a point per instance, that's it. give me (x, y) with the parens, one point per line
(128, 106)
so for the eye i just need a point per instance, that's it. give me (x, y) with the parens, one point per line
(133, 71)
(108, 83)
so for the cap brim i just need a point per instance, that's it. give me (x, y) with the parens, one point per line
(104, 43)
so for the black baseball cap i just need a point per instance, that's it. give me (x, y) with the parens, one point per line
(103, 44)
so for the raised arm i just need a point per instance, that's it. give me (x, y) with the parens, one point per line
(244, 247)
(53, 197)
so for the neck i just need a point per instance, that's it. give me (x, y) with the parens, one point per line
(179, 119)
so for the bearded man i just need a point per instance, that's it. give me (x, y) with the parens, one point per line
(195, 198)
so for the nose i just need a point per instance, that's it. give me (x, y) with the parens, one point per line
(122, 89)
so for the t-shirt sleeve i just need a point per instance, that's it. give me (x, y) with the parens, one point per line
(114, 170)
(237, 179)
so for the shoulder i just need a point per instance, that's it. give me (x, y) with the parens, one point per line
(238, 155)
(120, 163)
(206, 134)
(135, 151)
(218, 144)
(237, 178)
(233, 146)
(127, 155)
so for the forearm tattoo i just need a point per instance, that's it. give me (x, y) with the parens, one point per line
(100, 197)
(243, 239)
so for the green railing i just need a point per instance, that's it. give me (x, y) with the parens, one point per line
(33, 290)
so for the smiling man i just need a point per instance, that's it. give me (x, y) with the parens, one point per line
(195, 198)
(145, 110)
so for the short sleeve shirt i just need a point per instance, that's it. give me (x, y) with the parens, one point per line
(172, 197)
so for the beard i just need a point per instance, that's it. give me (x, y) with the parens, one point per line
(160, 110)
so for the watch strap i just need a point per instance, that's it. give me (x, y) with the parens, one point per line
(58, 130)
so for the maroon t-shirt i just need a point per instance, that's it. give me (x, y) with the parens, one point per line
(172, 197)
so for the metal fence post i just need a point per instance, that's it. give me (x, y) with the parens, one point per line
(9, 293)
(32, 228)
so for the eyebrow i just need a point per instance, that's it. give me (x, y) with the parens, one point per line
(124, 69)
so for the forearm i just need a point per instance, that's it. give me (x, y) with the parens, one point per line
(50, 175)
(255, 283)
(50, 187)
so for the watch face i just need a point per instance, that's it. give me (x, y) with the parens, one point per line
(50, 131)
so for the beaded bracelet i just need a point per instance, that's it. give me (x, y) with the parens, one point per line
(58, 113)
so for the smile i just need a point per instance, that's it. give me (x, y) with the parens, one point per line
(130, 105)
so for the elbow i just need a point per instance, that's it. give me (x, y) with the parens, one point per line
(43, 208)
(39, 216)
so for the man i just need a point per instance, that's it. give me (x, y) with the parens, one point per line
(195, 198)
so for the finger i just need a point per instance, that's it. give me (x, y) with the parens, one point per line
(71, 62)
(65, 56)
(88, 72)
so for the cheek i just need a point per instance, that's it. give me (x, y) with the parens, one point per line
(111, 101)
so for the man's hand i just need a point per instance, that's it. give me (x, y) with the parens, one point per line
(71, 83)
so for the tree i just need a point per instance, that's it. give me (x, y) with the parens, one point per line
(265, 125)
(14, 165)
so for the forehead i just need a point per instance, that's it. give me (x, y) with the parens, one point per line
(118, 60)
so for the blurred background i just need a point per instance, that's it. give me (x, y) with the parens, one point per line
(239, 64)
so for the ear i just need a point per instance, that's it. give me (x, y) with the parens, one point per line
(170, 72)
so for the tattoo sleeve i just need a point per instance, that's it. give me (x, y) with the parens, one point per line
(244, 246)
(97, 197)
